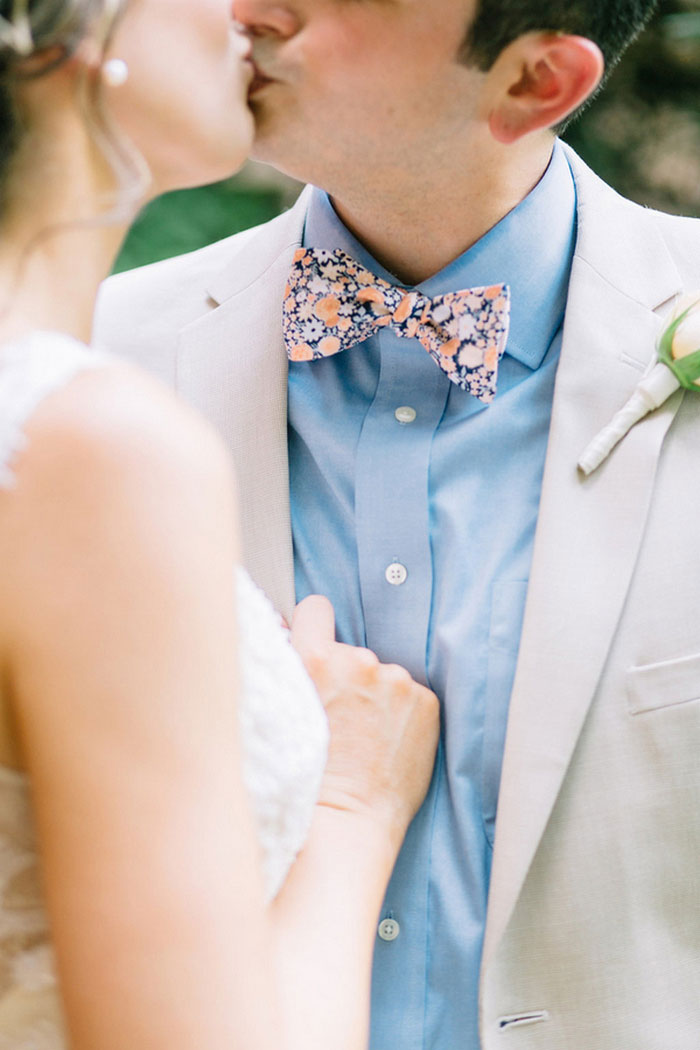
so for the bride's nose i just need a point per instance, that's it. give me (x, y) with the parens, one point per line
(242, 41)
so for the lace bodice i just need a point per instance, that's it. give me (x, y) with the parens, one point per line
(283, 727)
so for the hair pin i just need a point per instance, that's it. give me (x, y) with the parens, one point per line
(16, 32)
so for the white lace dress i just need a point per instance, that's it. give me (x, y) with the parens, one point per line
(285, 734)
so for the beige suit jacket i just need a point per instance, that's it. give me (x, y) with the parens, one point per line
(593, 933)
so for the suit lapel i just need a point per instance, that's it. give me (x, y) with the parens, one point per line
(589, 530)
(232, 365)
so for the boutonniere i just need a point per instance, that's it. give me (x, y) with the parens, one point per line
(677, 365)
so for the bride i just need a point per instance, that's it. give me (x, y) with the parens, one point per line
(162, 750)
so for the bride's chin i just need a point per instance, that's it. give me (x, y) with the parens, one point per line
(187, 177)
(190, 156)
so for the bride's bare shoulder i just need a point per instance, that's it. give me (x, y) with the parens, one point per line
(115, 423)
(117, 409)
(111, 460)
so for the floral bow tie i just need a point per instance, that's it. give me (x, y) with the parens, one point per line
(332, 302)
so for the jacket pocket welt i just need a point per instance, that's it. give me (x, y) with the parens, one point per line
(651, 687)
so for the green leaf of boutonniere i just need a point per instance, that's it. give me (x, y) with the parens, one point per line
(679, 346)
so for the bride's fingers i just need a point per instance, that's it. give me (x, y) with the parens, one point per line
(313, 626)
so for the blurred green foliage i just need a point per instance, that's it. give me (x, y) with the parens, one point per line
(188, 219)
(642, 135)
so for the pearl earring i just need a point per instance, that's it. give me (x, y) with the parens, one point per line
(115, 72)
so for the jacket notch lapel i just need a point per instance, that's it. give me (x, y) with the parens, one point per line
(232, 365)
(588, 538)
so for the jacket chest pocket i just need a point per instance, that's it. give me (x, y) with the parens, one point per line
(671, 683)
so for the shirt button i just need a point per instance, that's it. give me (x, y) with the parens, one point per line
(389, 929)
(396, 574)
(405, 414)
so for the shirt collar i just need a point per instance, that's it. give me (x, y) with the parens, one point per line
(530, 249)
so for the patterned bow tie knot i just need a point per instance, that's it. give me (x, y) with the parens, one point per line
(332, 302)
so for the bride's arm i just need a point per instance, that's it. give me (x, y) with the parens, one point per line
(119, 649)
(384, 730)
(118, 638)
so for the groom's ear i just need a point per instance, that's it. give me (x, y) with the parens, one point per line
(538, 81)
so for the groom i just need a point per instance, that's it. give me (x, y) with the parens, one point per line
(452, 530)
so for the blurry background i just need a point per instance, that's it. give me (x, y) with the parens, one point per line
(642, 135)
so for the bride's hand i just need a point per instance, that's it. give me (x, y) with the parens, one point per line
(384, 725)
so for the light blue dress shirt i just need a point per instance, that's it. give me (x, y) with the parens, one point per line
(446, 503)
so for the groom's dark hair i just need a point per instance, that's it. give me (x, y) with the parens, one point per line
(611, 24)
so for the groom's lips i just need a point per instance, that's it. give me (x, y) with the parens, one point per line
(259, 81)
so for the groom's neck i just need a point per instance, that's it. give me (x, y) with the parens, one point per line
(415, 225)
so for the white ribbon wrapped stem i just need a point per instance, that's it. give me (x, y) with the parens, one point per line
(649, 394)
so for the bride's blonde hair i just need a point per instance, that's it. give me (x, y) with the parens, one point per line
(37, 36)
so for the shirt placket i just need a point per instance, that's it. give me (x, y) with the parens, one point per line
(392, 502)
(392, 509)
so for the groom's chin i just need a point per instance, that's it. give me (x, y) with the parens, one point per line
(275, 145)
(276, 159)
(265, 133)
(294, 144)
